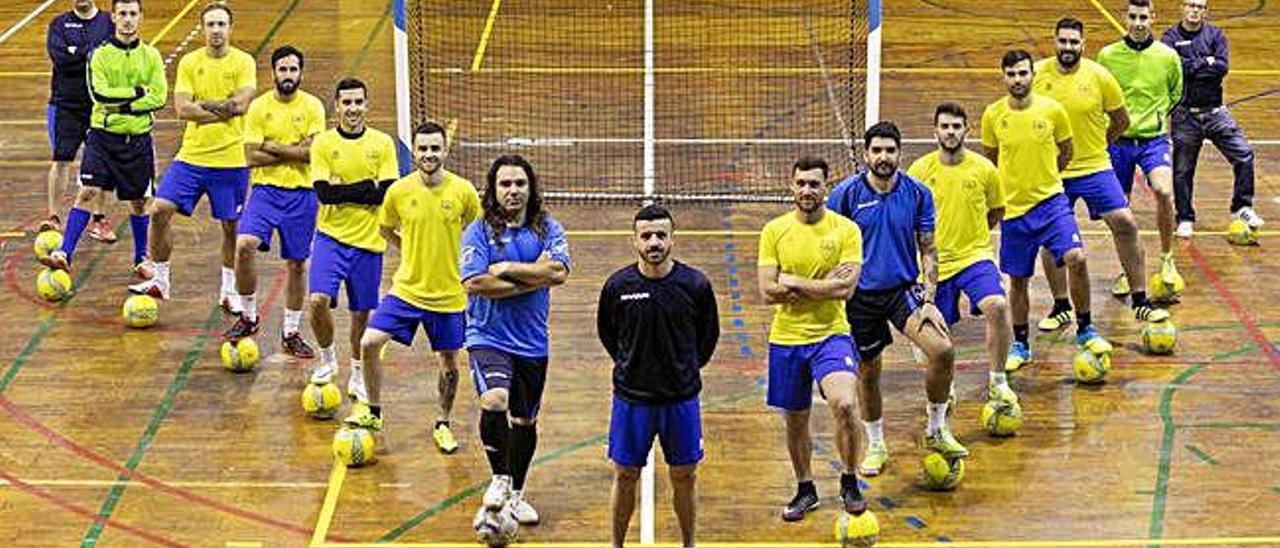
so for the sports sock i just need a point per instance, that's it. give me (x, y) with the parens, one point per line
(77, 220)
(1020, 333)
(138, 225)
(524, 441)
(875, 430)
(495, 435)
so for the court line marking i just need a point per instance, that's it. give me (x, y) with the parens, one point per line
(173, 22)
(191, 484)
(79, 510)
(1098, 5)
(1201, 541)
(23, 22)
(750, 233)
(478, 58)
(337, 475)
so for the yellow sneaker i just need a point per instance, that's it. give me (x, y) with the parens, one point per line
(1001, 393)
(875, 459)
(443, 437)
(1054, 322)
(362, 417)
(1148, 313)
(1121, 287)
(944, 443)
(1092, 341)
(1169, 271)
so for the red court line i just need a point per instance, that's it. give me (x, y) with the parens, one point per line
(1250, 325)
(74, 508)
(19, 414)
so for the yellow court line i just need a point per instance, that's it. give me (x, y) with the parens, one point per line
(450, 128)
(11, 235)
(765, 71)
(243, 544)
(183, 484)
(336, 476)
(173, 22)
(747, 233)
(478, 58)
(24, 73)
(1107, 14)
(1205, 541)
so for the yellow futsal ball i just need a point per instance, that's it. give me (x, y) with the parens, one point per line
(140, 311)
(1159, 338)
(321, 401)
(1240, 233)
(941, 474)
(240, 356)
(1090, 368)
(863, 530)
(1161, 292)
(1001, 418)
(47, 242)
(53, 285)
(353, 446)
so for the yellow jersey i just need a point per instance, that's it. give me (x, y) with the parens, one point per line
(1028, 143)
(431, 220)
(269, 119)
(962, 194)
(214, 144)
(346, 159)
(1088, 94)
(812, 251)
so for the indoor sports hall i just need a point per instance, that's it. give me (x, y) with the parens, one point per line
(119, 436)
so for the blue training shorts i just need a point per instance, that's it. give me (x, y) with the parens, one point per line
(446, 331)
(977, 281)
(1100, 191)
(678, 426)
(334, 263)
(794, 368)
(184, 184)
(1129, 154)
(1050, 224)
(289, 211)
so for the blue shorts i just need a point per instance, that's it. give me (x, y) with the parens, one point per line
(977, 281)
(792, 369)
(1100, 191)
(1129, 154)
(1050, 224)
(522, 377)
(184, 183)
(124, 164)
(68, 128)
(334, 263)
(289, 211)
(633, 425)
(446, 331)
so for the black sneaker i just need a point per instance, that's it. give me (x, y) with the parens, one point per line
(294, 346)
(854, 504)
(802, 504)
(243, 328)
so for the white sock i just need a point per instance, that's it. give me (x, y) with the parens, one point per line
(329, 355)
(291, 320)
(875, 430)
(998, 377)
(937, 416)
(162, 273)
(249, 304)
(228, 281)
(357, 365)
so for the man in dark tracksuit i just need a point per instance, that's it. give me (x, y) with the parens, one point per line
(1203, 115)
(657, 318)
(70, 38)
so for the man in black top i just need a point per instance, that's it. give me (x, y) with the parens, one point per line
(659, 323)
(1203, 115)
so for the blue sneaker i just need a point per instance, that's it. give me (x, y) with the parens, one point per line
(1019, 355)
(1090, 340)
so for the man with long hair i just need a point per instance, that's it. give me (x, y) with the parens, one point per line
(510, 259)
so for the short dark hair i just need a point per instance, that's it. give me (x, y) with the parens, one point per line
(429, 127)
(653, 212)
(1013, 57)
(215, 6)
(806, 163)
(287, 51)
(1140, 3)
(1069, 23)
(886, 129)
(115, 2)
(350, 83)
(953, 109)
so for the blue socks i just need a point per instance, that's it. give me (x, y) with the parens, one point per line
(77, 220)
(139, 225)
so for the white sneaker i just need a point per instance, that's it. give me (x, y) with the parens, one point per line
(155, 287)
(323, 373)
(1249, 216)
(495, 497)
(1185, 230)
(523, 511)
(355, 385)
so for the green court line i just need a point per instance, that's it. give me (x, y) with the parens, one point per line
(161, 413)
(1201, 455)
(373, 35)
(34, 341)
(1269, 426)
(457, 498)
(1165, 462)
(1276, 489)
(275, 26)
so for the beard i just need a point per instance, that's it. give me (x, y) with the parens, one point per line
(807, 204)
(883, 170)
(655, 256)
(1068, 59)
(949, 146)
(287, 87)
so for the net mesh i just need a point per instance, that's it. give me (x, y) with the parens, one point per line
(742, 88)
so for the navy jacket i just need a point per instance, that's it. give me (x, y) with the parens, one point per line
(69, 40)
(1202, 79)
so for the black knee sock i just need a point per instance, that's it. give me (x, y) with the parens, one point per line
(524, 440)
(495, 434)
(98, 217)
(849, 482)
(1060, 305)
(1138, 298)
(1020, 333)
(1083, 321)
